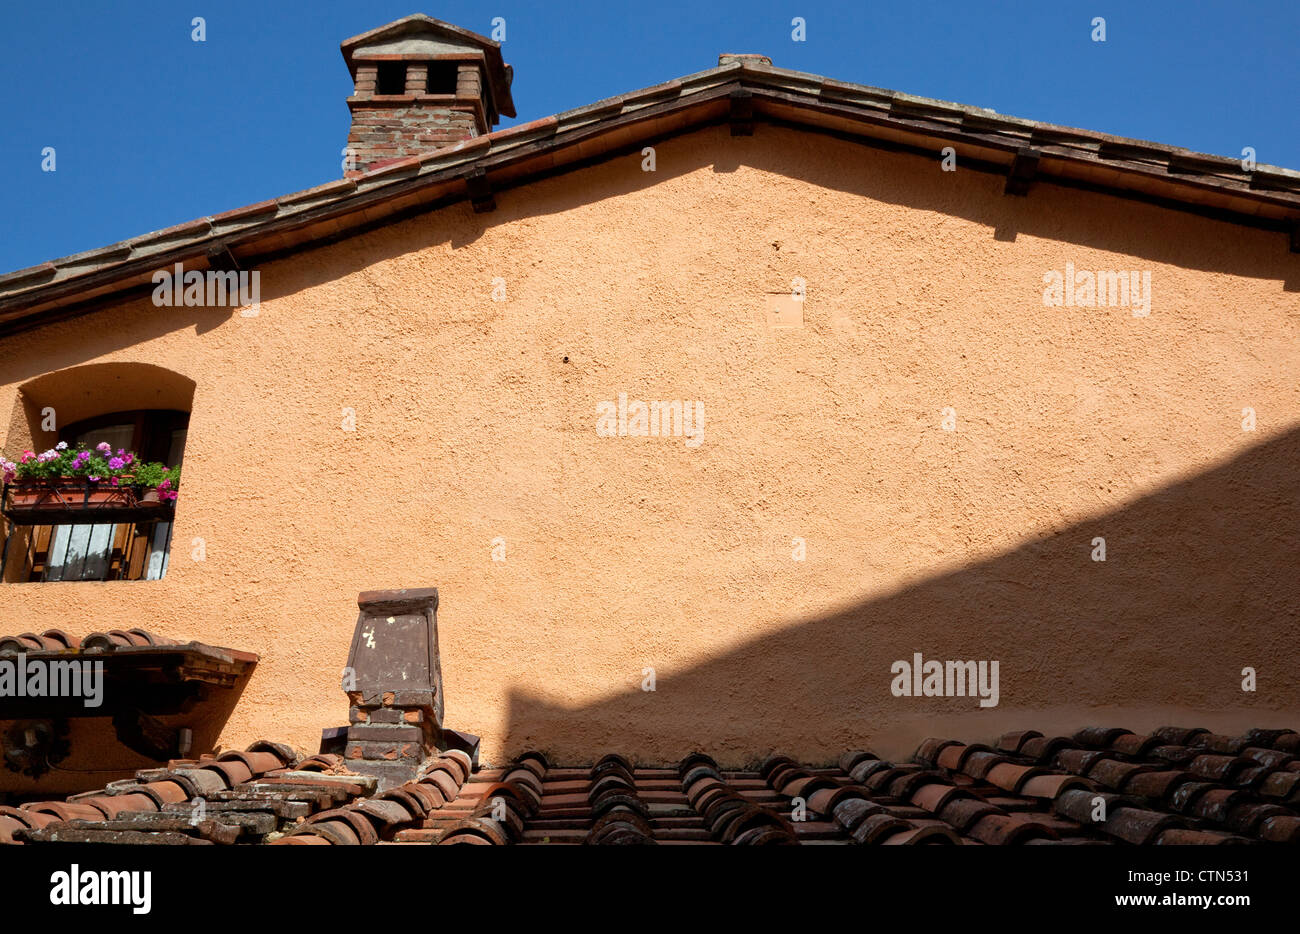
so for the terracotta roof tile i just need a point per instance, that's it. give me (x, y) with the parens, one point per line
(1012, 742)
(951, 794)
(1041, 749)
(1175, 735)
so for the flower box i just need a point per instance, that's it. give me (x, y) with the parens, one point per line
(79, 485)
(63, 500)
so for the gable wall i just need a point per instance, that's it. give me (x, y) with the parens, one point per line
(924, 290)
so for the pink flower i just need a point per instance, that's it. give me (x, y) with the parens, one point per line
(104, 446)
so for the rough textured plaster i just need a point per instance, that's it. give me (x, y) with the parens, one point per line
(923, 291)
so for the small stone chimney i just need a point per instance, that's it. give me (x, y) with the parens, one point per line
(421, 84)
(394, 685)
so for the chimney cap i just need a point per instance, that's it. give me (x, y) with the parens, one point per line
(411, 35)
(744, 58)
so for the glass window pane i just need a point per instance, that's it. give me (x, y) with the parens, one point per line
(80, 552)
(117, 436)
(158, 547)
(177, 449)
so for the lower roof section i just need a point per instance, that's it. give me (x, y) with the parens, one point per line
(1100, 786)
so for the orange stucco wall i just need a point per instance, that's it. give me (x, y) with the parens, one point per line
(924, 291)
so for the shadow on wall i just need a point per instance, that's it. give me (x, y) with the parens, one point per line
(142, 324)
(1200, 581)
(99, 749)
(70, 395)
(1117, 225)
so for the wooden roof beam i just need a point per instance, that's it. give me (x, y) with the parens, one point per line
(1023, 172)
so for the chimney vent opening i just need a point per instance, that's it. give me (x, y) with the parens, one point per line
(391, 79)
(442, 77)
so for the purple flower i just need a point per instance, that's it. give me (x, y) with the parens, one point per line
(116, 463)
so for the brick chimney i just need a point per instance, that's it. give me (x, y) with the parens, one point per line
(420, 84)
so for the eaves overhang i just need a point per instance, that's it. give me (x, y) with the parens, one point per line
(739, 93)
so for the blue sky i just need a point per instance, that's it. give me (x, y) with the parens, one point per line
(152, 129)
